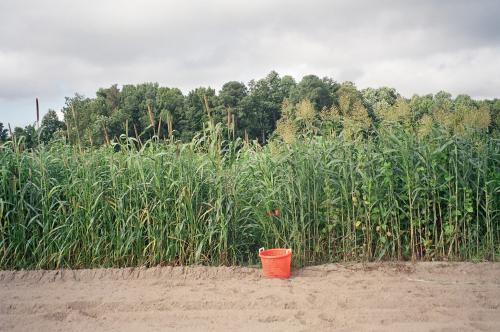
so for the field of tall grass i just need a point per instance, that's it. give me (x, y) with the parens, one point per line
(389, 196)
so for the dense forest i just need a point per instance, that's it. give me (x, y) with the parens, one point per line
(252, 111)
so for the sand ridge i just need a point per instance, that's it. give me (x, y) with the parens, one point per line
(372, 297)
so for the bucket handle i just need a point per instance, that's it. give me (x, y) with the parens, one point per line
(261, 250)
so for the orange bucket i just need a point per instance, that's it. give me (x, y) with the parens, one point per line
(276, 262)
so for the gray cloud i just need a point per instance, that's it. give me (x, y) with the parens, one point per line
(54, 48)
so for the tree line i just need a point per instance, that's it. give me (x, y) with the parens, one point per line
(271, 106)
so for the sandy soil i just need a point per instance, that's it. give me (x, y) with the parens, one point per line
(383, 297)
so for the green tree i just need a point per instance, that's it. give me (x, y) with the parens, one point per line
(319, 91)
(232, 93)
(443, 102)
(378, 101)
(372, 96)
(111, 99)
(261, 108)
(495, 116)
(134, 101)
(3, 133)
(421, 106)
(78, 116)
(464, 102)
(50, 125)
(195, 115)
(27, 136)
(229, 109)
(169, 107)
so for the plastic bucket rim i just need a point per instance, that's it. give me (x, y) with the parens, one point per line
(288, 252)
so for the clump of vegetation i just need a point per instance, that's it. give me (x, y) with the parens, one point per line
(354, 175)
(389, 195)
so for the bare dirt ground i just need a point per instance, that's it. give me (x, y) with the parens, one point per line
(372, 297)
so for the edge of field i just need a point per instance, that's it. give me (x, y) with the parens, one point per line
(238, 272)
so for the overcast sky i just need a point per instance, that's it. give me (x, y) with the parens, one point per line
(52, 49)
